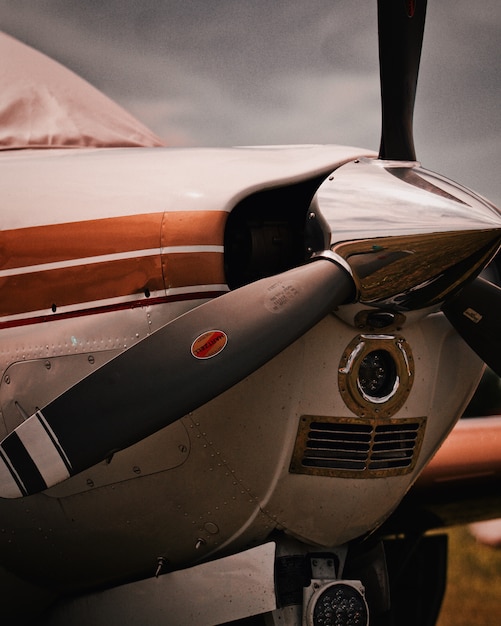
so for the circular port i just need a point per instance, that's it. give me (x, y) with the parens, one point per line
(377, 376)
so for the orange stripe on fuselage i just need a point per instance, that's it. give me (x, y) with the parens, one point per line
(38, 286)
(193, 268)
(78, 240)
(65, 286)
(195, 228)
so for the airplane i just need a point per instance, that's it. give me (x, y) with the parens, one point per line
(231, 378)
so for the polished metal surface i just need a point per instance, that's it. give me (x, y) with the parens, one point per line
(409, 237)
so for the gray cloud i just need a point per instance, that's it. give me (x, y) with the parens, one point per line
(226, 73)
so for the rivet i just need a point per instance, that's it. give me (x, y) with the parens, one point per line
(136, 469)
(47, 365)
(91, 359)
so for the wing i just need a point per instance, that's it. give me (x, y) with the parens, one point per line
(462, 483)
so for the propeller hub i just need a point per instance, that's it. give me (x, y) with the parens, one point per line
(409, 237)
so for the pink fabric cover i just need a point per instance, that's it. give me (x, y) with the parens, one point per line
(45, 105)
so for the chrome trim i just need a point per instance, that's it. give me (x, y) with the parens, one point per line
(329, 255)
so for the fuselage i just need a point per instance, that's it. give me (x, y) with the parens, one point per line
(100, 248)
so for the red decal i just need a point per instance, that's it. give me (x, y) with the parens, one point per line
(209, 344)
(411, 7)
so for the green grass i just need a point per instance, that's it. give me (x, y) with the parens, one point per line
(473, 595)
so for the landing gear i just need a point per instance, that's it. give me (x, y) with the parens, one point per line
(399, 581)
(417, 568)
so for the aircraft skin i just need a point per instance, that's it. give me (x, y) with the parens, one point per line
(81, 290)
(104, 248)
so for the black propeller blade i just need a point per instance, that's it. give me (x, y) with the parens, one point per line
(171, 372)
(475, 312)
(400, 27)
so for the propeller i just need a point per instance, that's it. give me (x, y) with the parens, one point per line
(400, 28)
(474, 313)
(175, 370)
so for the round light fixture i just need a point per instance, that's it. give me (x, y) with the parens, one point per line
(338, 604)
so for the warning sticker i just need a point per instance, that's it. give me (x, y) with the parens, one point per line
(209, 344)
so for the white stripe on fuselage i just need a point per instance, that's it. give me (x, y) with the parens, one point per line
(107, 258)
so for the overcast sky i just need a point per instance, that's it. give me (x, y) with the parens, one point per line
(229, 72)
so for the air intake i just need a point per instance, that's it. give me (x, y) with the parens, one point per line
(355, 447)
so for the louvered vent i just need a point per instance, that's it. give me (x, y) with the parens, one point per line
(356, 447)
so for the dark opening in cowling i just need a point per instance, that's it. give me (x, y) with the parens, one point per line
(268, 233)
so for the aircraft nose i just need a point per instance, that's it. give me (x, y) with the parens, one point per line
(410, 237)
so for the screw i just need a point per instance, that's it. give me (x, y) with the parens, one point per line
(161, 562)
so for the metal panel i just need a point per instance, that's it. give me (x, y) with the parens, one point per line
(231, 588)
